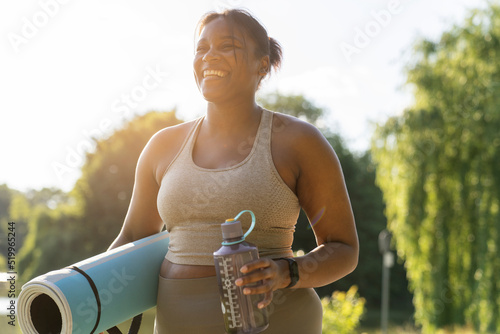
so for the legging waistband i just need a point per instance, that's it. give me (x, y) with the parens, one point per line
(190, 286)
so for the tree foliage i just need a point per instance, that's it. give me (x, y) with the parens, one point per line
(105, 187)
(437, 165)
(66, 228)
(6, 195)
(52, 241)
(342, 311)
(295, 105)
(15, 208)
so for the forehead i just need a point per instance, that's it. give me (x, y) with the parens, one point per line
(220, 28)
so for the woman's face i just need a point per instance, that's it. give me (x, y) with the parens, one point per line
(225, 66)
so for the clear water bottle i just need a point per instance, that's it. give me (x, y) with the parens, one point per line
(241, 314)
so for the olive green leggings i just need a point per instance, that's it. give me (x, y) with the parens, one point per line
(192, 306)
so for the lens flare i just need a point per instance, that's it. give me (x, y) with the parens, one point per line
(317, 217)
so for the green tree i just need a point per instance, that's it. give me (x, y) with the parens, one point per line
(105, 187)
(437, 165)
(5, 198)
(342, 311)
(19, 213)
(52, 241)
(84, 222)
(295, 105)
(42, 231)
(50, 197)
(6, 195)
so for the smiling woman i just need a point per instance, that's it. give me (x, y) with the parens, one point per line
(238, 25)
(240, 156)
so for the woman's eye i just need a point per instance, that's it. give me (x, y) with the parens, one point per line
(228, 46)
(201, 49)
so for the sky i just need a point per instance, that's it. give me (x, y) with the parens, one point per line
(73, 70)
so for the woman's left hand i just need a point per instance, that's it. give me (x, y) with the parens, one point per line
(273, 275)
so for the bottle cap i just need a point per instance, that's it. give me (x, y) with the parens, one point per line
(232, 229)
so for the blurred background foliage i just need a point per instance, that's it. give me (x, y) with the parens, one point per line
(342, 311)
(438, 166)
(431, 177)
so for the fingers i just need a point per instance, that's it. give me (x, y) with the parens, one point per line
(264, 272)
(267, 300)
(265, 288)
(257, 271)
(257, 264)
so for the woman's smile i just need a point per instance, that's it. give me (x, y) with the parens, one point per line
(211, 74)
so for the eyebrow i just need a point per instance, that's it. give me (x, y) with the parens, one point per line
(225, 37)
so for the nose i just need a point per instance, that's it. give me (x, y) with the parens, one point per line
(210, 55)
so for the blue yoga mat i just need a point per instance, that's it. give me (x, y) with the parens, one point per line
(126, 278)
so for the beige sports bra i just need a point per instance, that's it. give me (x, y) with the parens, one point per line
(194, 201)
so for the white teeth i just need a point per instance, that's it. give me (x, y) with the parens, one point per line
(214, 72)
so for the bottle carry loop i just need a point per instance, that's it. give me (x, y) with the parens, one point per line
(229, 243)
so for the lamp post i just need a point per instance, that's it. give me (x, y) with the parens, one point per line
(384, 245)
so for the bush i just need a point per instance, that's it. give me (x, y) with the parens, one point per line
(343, 311)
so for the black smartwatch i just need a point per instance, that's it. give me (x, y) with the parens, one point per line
(294, 271)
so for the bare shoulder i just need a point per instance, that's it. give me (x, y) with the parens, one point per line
(170, 134)
(164, 146)
(304, 147)
(297, 134)
(299, 150)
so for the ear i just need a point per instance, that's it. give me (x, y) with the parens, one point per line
(264, 66)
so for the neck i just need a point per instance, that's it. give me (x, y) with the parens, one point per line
(234, 117)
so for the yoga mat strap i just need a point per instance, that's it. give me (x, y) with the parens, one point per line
(136, 322)
(134, 327)
(96, 294)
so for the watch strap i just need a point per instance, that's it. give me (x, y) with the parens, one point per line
(294, 277)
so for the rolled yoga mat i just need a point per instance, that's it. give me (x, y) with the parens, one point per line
(63, 301)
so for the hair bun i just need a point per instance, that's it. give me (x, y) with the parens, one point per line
(275, 53)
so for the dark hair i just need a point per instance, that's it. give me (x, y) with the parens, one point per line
(242, 19)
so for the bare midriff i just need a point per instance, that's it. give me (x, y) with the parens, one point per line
(174, 270)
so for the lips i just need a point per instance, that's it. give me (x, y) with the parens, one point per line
(214, 74)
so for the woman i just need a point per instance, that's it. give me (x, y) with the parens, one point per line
(240, 156)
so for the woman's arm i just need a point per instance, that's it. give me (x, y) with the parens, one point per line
(322, 194)
(142, 217)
